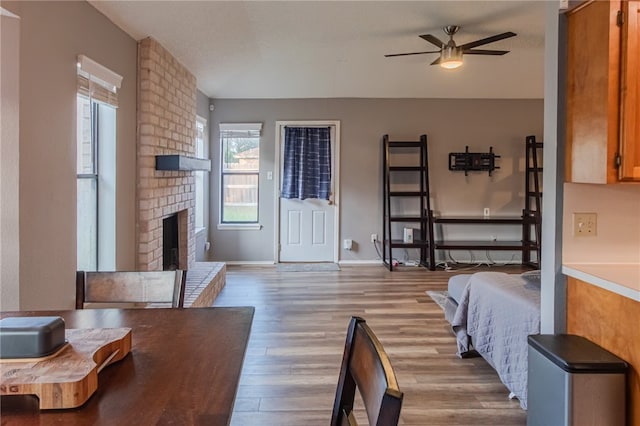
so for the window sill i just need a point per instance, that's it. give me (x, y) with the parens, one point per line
(239, 226)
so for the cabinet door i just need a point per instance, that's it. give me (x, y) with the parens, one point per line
(630, 92)
(593, 86)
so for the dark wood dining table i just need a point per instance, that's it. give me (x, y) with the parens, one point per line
(183, 369)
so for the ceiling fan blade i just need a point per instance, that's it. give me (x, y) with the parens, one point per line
(433, 40)
(484, 52)
(412, 53)
(436, 62)
(487, 40)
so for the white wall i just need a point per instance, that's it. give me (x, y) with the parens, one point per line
(9, 159)
(450, 125)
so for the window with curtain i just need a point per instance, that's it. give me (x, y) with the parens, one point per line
(239, 172)
(307, 163)
(96, 104)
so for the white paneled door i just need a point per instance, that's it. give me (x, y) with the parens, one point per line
(308, 228)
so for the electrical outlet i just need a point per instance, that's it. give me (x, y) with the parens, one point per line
(487, 212)
(585, 224)
(374, 238)
(348, 244)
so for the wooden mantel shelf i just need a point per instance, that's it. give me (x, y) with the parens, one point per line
(182, 163)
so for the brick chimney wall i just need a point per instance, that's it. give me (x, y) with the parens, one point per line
(166, 125)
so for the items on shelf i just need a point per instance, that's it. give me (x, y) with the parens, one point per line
(473, 161)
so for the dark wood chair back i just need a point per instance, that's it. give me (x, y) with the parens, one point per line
(366, 366)
(137, 287)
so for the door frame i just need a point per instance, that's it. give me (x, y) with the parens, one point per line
(335, 171)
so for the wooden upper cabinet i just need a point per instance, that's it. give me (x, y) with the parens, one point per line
(602, 92)
(593, 86)
(630, 93)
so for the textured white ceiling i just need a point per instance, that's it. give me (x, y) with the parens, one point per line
(326, 49)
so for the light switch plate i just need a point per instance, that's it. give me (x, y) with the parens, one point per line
(585, 224)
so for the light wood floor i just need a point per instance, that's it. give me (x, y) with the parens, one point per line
(294, 354)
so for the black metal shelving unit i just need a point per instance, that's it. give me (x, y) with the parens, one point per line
(532, 213)
(530, 220)
(415, 191)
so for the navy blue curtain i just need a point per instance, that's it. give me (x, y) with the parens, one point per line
(307, 163)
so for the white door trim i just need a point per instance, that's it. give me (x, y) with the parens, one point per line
(335, 169)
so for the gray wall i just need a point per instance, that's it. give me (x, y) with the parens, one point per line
(553, 294)
(450, 124)
(52, 34)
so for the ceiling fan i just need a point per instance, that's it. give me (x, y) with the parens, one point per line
(451, 54)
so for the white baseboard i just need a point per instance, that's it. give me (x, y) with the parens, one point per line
(250, 262)
(271, 262)
(462, 260)
(360, 262)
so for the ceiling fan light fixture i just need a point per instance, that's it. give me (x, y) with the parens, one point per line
(451, 54)
(451, 57)
(451, 64)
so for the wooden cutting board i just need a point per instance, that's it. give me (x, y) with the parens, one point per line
(68, 378)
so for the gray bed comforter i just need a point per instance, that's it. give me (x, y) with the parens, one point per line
(495, 315)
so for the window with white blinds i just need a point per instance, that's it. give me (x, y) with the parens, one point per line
(199, 175)
(96, 131)
(239, 173)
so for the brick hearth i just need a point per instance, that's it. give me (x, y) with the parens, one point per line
(205, 280)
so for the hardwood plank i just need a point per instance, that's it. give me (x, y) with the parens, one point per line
(300, 323)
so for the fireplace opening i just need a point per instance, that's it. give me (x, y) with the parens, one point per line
(170, 243)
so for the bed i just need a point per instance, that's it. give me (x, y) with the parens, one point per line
(492, 313)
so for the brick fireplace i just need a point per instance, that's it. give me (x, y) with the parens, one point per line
(166, 125)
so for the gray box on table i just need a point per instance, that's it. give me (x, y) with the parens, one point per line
(572, 381)
(30, 337)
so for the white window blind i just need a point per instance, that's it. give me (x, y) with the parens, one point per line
(240, 130)
(97, 82)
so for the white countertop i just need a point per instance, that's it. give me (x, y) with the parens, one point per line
(619, 278)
